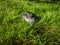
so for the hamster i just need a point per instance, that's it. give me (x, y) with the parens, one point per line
(30, 17)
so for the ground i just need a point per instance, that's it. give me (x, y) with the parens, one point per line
(14, 30)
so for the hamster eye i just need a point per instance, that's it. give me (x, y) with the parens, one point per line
(25, 14)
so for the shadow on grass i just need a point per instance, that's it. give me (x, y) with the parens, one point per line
(16, 41)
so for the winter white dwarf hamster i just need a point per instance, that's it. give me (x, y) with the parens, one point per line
(30, 17)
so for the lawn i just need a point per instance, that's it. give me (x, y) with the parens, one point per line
(14, 30)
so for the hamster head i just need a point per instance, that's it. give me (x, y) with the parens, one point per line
(27, 15)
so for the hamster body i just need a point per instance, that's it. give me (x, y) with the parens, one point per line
(30, 17)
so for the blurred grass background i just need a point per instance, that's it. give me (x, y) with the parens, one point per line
(14, 30)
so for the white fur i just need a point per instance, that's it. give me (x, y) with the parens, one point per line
(29, 20)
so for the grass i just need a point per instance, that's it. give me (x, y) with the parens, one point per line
(14, 30)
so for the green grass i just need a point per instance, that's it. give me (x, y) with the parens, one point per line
(14, 30)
